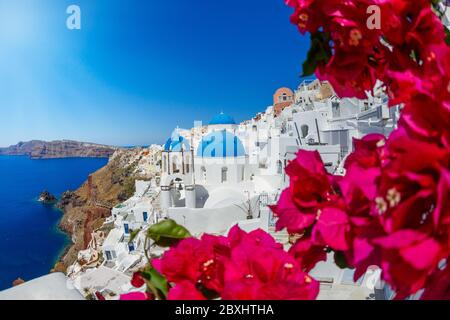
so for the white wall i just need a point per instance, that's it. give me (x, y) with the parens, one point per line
(224, 197)
(308, 118)
(215, 221)
(236, 167)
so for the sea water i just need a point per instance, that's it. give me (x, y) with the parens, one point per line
(30, 242)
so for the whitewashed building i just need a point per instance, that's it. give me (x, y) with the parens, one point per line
(212, 177)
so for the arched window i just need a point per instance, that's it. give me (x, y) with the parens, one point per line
(336, 108)
(305, 131)
(224, 174)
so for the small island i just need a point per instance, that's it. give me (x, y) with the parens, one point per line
(47, 197)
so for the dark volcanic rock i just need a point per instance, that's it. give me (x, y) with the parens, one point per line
(47, 197)
(70, 197)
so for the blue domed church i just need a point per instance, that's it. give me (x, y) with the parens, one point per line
(215, 157)
(222, 119)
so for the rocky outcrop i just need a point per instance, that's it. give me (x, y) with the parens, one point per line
(18, 282)
(86, 208)
(47, 197)
(37, 149)
(70, 198)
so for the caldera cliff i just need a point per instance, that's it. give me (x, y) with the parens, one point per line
(87, 208)
(37, 149)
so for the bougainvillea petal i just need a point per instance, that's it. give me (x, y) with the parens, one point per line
(134, 296)
(185, 290)
(332, 229)
(137, 281)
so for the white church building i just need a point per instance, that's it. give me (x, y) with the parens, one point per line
(209, 181)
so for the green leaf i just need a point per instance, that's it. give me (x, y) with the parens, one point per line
(207, 293)
(319, 52)
(339, 259)
(447, 36)
(156, 282)
(167, 233)
(435, 2)
(134, 234)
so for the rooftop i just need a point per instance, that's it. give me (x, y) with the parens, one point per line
(50, 287)
(113, 237)
(220, 144)
(222, 119)
(105, 278)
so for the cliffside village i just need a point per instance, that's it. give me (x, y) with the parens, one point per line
(216, 175)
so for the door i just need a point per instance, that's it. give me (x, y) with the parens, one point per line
(108, 255)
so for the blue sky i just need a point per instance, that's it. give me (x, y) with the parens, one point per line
(137, 69)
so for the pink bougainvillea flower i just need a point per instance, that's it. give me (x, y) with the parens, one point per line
(301, 289)
(135, 296)
(267, 273)
(241, 265)
(408, 186)
(258, 237)
(308, 254)
(391, 207)
(359, 189)
(185, 290)
(99, 296)
(408, 258)
(194, 260)
(182, 262)
(309, 15)
(441, 214)
(406, 153)
(348, 74)
(332, 229)
(289, 216)
(309, 181)
(137, 281)
(438, 286)
(403, 85)
(362, 254)
(427, 119)
(367, 152)
(426, 29)
(310, 188)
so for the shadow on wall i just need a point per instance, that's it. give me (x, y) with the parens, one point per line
(224, 197)
(202, 196)
(215, 220)
(178, 201)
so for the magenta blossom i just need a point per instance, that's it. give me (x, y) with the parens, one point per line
(240, 266)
